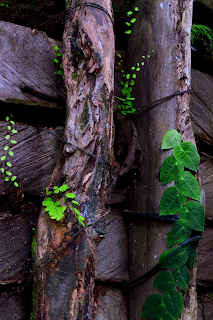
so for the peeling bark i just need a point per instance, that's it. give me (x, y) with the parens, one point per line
(64, 286)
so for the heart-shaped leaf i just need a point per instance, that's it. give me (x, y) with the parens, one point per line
(153, 307)
(173, 302)
(170, 170)
(164, 282)
(190, 248)
(171, 139)
(171, 202)
(188, 185)
(181, 277)
(173, 258)
(187, 155)
(179, 234)
(193, 216)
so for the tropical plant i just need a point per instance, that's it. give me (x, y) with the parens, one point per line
(169, 305)
(202, 33)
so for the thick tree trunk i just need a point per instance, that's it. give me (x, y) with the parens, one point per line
(64, 286)
(165, 28)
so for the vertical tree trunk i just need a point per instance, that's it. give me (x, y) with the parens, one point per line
(164, 27)
(64, 286)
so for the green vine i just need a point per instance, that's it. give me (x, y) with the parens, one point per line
(56, 209)
(169, 305)
(5, 169)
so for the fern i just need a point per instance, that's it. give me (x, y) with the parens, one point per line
(201, 32)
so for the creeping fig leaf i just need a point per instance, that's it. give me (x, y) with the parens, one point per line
(173, 258)
(171, 202)
(188, 185)
(164, 282)
(181, 277)
(192, 215)
(187, 155)
(178, 234)
(170, 170)
(171, 139)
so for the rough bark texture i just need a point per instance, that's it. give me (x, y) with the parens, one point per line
(64, 287)
(165, 28)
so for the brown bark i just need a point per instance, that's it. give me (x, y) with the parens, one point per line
(64, 287)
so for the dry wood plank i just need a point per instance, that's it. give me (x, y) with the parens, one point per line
(111, 303)
(26, 61)
(15, 243)
(205, 258)
(205, 171)
(201, 106)
(35, 156)
(112, 254)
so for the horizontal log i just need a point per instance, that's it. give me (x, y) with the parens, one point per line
(28, 74)
(15, 244)
(205, 258)
(205, 171)
(111, 303)
(35, 156)
(201, 108)
(112, 254)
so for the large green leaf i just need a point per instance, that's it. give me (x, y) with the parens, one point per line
(170, 170)
(190, 248)
(173, 302)
(173, 258)
(187, 155)
(188, 185)
(164, 282)
(192, 215)
(171, 202)
(153, 307)
(181, 277)
(171, 139)
(179, 234)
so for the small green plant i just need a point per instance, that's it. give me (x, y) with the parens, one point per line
(127, 104)
(56, 209)
(201, 32)
(132, 21)
(57, 61)
(5, 169)
(169, 305)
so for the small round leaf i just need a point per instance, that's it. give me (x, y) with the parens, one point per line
(6, 148)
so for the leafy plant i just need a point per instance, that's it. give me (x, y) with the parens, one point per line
(57, 61)
(201, 32)
(132, 21)
(169, 305)
(5, 169)
(56, 209)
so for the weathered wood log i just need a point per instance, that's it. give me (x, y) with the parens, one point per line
(111, 303)
(206, 173)
(64, 286)
(15, 243)
(205, 256)
(201, 109)
(35, 156)
(28, 74)
(165, 28)
(112, 253)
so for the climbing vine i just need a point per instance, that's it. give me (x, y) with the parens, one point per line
(169, 305)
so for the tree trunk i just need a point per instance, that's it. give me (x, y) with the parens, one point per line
(164, 27)
(64, 281)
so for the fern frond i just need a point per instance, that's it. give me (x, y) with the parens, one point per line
(200, 31)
